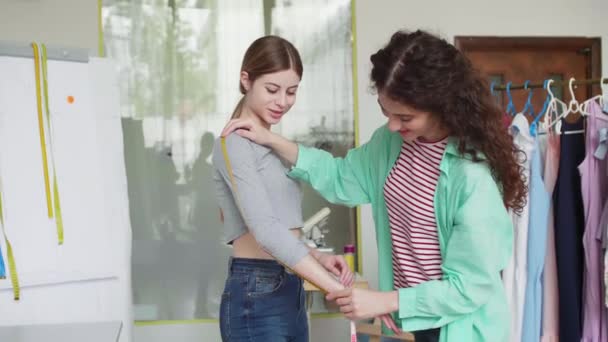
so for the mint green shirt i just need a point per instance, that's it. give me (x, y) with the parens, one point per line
(475, 235)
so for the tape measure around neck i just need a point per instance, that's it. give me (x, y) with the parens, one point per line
(56, 201)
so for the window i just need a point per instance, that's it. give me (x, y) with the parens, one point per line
(179, 64)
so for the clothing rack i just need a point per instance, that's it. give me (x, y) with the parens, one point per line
(527, 86)
(554, 84)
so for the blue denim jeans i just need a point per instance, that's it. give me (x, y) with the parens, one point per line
(262, 302)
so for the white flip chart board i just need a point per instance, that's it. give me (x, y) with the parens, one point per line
(87, 279)
(87, 246)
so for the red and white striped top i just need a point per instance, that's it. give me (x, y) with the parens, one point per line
(409, 192)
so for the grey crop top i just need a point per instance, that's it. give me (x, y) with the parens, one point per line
(271, 202)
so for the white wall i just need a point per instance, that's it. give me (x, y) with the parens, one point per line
(66, 23)
(377, 20)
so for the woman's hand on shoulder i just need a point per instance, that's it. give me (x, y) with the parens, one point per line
(249, 129)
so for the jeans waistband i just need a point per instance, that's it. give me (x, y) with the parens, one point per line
(250, 265)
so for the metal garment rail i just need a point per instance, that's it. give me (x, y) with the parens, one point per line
(554, 84)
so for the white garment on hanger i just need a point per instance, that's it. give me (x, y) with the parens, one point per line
(515, 274)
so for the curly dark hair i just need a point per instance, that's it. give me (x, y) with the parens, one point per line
(427, 73)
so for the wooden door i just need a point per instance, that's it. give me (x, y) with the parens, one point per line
(513, 59)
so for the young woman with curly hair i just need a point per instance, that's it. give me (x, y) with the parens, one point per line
(440, 176)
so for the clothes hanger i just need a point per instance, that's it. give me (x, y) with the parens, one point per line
(602, 99)
(528, 107)
(510, 106)
(543, 111)
(554, 108)
(573, 105)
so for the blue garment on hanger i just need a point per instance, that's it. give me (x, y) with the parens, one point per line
(2, 269)
(540, 201)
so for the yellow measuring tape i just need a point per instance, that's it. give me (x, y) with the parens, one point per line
(52, 201)
(45, 164)
(56, 202)
(12, 268)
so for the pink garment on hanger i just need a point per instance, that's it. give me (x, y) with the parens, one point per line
(594, 187)
(604, 229)
(550, 331)
(507, 119)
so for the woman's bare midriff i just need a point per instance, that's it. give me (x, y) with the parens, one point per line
(246, 246)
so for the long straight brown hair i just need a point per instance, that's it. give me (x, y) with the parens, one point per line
(267, 55)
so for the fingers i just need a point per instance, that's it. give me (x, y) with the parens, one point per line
(227, 129)
(341, 262)
(245, 134)
(344, 279)
(330, 265)
(347, 278)
(343, 271)
(347, 310)
(333, 270)
(339, 294)
(343, 301)
(350, 278)
(235, 124)
(230, 127)
(390, 323)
